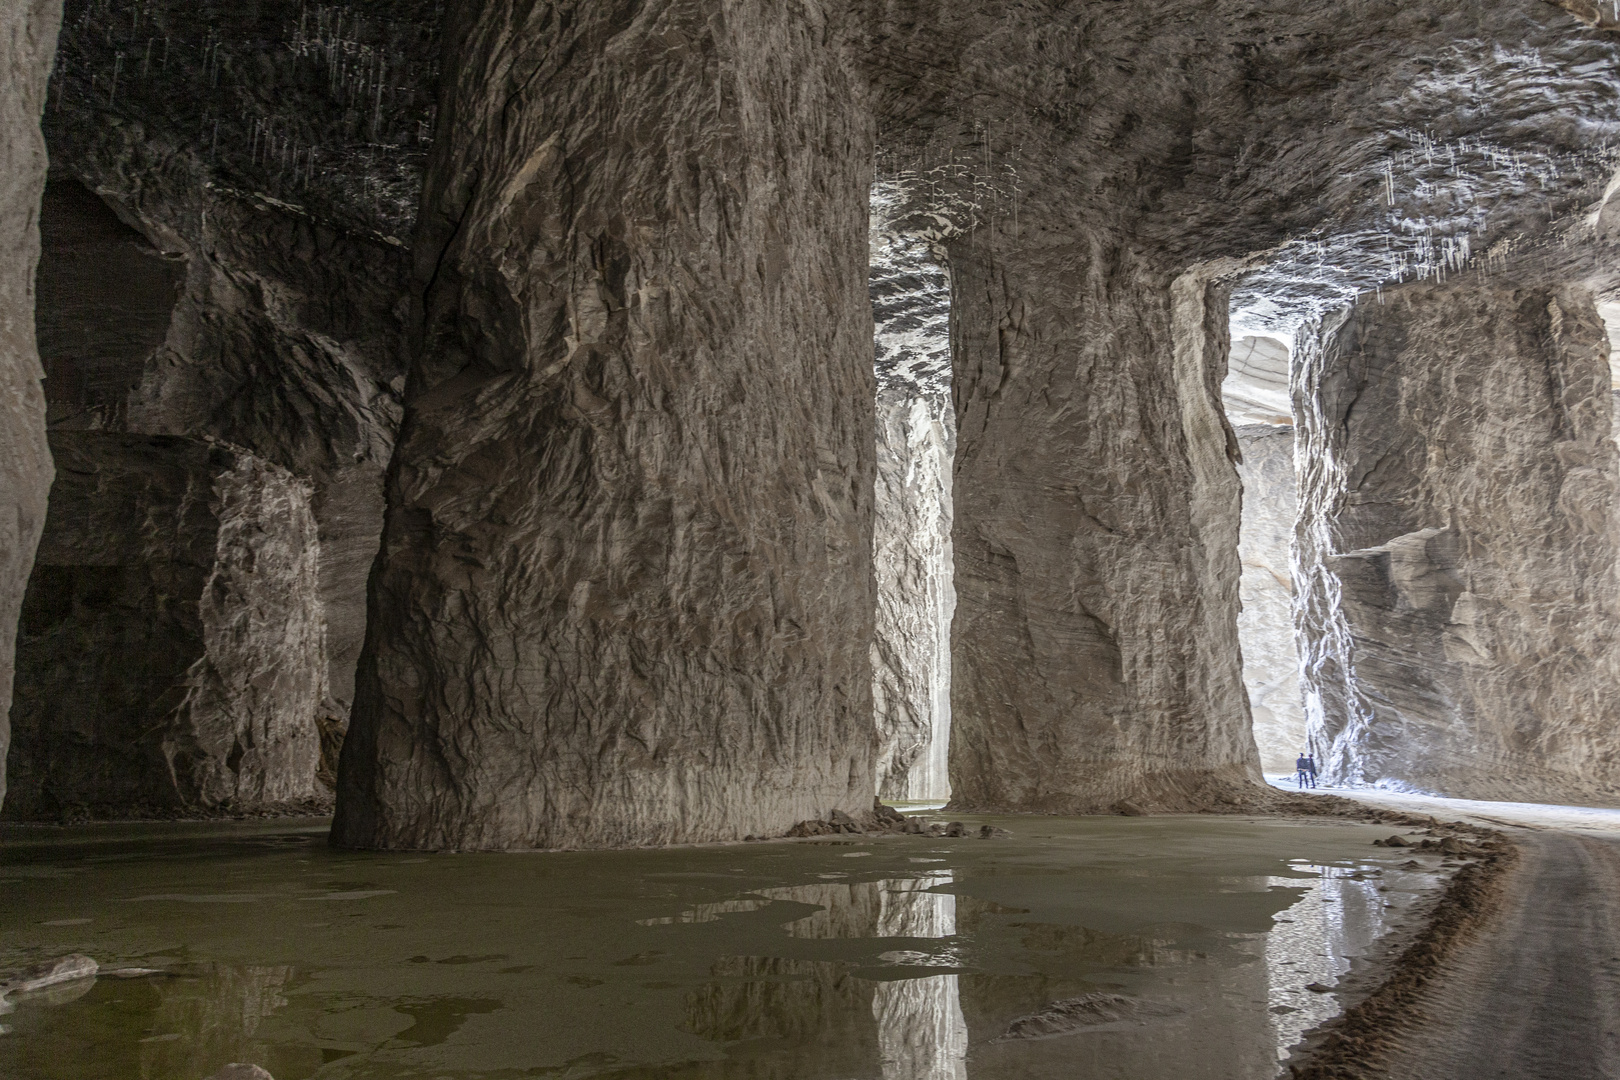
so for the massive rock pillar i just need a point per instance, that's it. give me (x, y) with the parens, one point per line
(625, 594)
(1457, 540)
(27, 45)
(1094, 652)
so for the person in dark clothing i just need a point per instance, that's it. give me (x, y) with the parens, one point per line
(1302, 772)
(1310, 768)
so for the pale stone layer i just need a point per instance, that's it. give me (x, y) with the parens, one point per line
(911, 648)
(1458, 540)
(625, 594)
(1266, 624)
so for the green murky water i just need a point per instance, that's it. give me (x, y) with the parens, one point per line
(900, 958)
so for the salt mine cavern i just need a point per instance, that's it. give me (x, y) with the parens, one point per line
(809, 539)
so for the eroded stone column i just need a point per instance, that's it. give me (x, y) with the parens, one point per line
(625, 594)
(1457, 538)
(27, 45)
(1094, 652)
(171, 654)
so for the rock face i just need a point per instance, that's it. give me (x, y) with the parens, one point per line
(625, 594)
(27, 44)
(1094, 653)
(1266, 623)
(170, 654)
(272, 154)
(1458, 539)
(911, 646)
(912, 557)
(106, 297)
(283, 337)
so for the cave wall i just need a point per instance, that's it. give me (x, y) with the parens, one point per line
(1266, 623)
(911, 537)
(625, 594)
(913, 562)
(1457, 535)
(170, 656)
(1094, 653)
(28, 33)
(272, 153)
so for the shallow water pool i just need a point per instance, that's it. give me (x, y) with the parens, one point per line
(1079, 947)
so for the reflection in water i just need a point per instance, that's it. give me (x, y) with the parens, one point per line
(921, 1033)
(580, 965)
(913, 1026)
(210, 1020)
(703, 913)
(1338, 918)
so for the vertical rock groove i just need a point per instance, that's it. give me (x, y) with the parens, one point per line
(625, 594)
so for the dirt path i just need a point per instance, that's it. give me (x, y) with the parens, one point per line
(1536, 995)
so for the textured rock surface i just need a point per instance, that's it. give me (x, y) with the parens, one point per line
(911, 646)
(272, 152)
(1075, 160)
(1266, 623)
(912, 557)
(105, 300)
(1094, 653)
(1460, 496)
(170, 655)
(27, 43)
(624, 368)
(1255, 390)
(625, 594)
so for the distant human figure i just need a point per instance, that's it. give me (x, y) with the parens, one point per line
(1302, 770)
(1310, 768)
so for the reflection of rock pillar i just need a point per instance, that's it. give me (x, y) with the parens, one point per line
(921, 1032)
(1456, 541)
